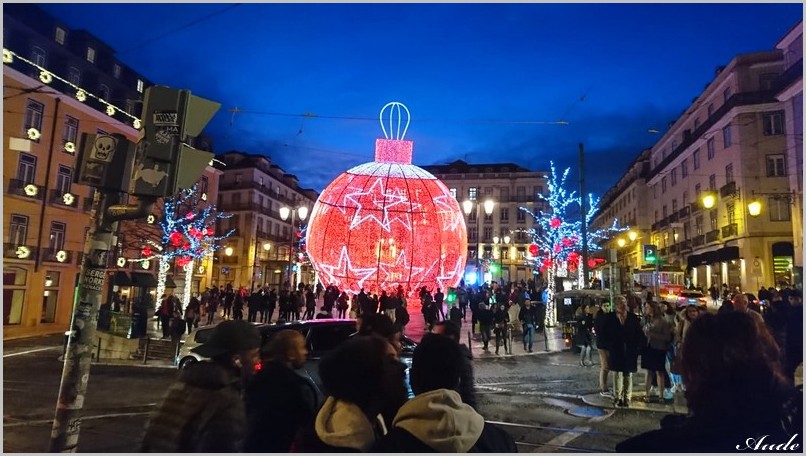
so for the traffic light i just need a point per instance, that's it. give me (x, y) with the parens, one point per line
(650, 253)
(105, 162)
(165, 162)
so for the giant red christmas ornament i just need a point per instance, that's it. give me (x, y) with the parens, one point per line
(388, 223)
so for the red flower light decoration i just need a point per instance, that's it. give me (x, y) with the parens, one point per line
(533, 250)
(555, 223)
(175, 239)
(387, 224)
(189, 216)
(182, 261)
(209, 231)
(147, 251)
(558, 248)
(592, 263)
(567, 242)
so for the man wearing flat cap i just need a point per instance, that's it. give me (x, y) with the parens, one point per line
(203, 411)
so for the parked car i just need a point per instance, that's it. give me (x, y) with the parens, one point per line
(692, 297)
(321, 336)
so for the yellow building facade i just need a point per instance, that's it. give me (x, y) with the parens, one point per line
(45, 215)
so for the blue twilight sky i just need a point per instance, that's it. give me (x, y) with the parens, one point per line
(471, 74)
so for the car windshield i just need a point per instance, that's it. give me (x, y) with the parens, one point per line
(202, 336)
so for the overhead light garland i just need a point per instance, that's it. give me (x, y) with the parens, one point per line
(47, 76)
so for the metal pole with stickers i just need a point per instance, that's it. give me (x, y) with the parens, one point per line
(158, 165)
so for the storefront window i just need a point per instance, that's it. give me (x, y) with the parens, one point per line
(13, 294)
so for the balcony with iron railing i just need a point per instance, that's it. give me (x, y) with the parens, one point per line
(712, 236)
(64, 199)
(683, 213)
(18, 251)
(695, 208)
(224, 259)
(21, 188)
(673, 218)
(697, 241)
(728, 190)
(730, 230)
(738, 99)
(262, 188)
(57, 256)
(685, 245)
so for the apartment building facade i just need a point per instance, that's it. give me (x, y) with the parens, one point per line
(628, 201)
(264, 247)
(790, 93)
(45, 215)
(500, 235)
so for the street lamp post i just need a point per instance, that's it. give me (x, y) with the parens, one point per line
(302, 212)
(468, 206)
(256, 265)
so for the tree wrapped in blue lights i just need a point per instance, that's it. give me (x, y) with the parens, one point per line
(557, 236)
(187, 229)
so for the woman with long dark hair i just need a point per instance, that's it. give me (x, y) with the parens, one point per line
(737, 394)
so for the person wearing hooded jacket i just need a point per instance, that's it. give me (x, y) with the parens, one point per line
(356, 377)
(203, 411)
(436, 419)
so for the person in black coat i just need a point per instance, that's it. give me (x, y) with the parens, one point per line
(626, 339)
(485, 319)
(603, 347)
(436, 419)
(736, 391)
(466, 388)
(279, 402)
(584, 336)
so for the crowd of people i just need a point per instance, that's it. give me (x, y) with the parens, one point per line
(254, 401)
(734, 364)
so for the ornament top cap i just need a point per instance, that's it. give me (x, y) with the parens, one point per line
(394, 149)
(396, 114)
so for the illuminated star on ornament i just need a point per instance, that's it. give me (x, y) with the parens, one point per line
(450, 223)
(344, 270)
(451, 275)
(403, 216)
(389, 271)
(379, 199)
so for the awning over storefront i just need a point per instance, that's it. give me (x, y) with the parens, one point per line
(709, 257)
(783, 249)
(121, 279)
(693, 261)
(144, 279)
(728, 253)
(169, 283)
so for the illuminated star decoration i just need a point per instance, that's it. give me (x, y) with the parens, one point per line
(451, 275)
(451, 219)
(381, 201)
(388, 269)
(344, 270)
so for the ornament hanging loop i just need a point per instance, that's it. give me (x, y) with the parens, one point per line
(397, 111)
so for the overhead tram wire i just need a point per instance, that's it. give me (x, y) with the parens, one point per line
(180, 28)
(375, 119)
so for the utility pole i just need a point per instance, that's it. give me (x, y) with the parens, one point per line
(584, 208)
(161, 165)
